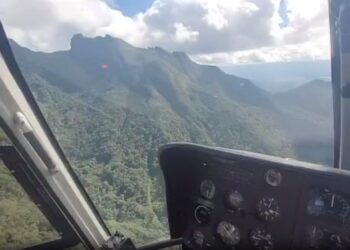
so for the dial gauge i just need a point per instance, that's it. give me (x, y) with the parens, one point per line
(198, 238)
(335, 205)
(228, 233)
(268, 209)
(273, 178)
(335, 242)
(323, 238)
(234, 200)
(316, 206)
(202, 214)
(261, 240)
(207, 189)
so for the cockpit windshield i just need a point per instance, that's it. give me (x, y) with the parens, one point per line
(117, 79)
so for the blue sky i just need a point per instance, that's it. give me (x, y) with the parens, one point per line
(283, 11)
(132, 7)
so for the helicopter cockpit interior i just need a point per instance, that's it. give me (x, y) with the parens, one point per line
(216, 198)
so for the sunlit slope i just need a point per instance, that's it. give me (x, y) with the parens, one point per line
(309, 125)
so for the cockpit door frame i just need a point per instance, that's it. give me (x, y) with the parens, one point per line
(339, 12)
(41, 197)
(26, 127)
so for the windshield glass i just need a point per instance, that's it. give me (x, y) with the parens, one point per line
(117, 79)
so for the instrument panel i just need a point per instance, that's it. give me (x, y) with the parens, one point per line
(227, 199)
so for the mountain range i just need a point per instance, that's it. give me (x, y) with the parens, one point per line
(111, 105)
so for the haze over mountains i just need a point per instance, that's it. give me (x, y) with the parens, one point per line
(282, 76)
(112, 105)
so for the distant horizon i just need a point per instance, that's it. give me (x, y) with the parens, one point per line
(281, 76)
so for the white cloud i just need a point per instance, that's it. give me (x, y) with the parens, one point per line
(212, 31)
(219, 13)
(312, 50)
(184, 34)
(221, 25)
(308, 20)
(305, 38)
(49, 24)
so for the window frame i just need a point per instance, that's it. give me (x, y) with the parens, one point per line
(40, 196)
(65, 187)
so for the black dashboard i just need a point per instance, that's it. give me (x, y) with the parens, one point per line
(229, 199)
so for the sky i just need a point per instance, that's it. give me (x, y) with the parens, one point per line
(130, 7)
(219, 32)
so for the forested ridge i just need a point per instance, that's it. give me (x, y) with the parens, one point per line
(112, 105)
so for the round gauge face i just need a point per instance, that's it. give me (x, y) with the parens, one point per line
(261, 240)
(316, 206)
(198, 238)
(273, 178)
(336, 242)
(228, 233)
(323, 238)
(234, 200)
(335, 205)
(268, 209)
(207, 189)
(202, 214)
